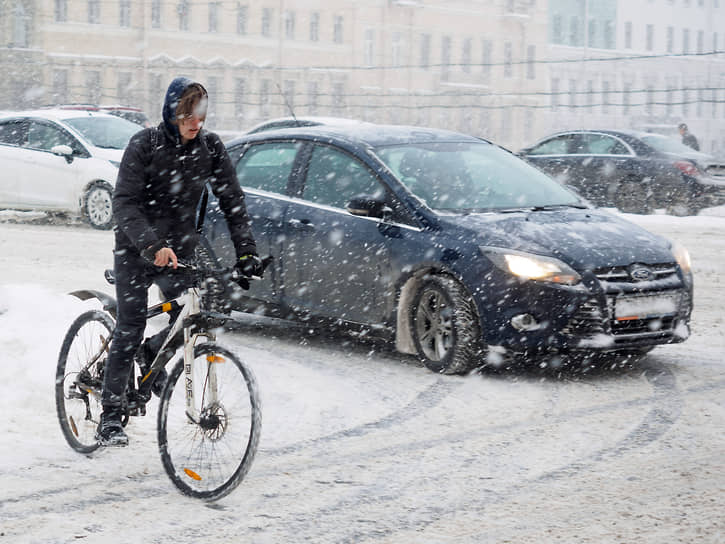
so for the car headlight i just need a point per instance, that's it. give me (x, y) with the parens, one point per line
(529, 266)
(682, 256)
(115, 163)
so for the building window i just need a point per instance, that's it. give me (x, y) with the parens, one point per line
(315, 27)
(21, 26)
(155, 91)
(445, 56)
(625, 97)
(214, 8)
(93, 86)
(266, 22)
(685, 41)
(397, 49)
(289, 25)
(240, 89)
(487, 58)
(507, 59)
(557, 29)
(609, 35)
(590, 94)
(574, 31)
(554, 93)
(60, 86)
(531, 62)
(628, 35)
(572, 93)
(650, 37)
(685, 102)
(94, 11)
(670, 39)
(60, 13)
(182, 9)
(264, 98)
(289, 94)
(337, 29)
(369, 47)
(242, 17)
(592, 39)
(700, 41)
(425, 51)
(466, 55)
(605, 97)
(650, 99)
(714, 41)
(212, 87)
(338, 97)
(700, 100)
(124, 15)
(123, 88)
(313, 94)
(156, 14)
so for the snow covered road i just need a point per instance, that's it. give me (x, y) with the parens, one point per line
(361, 444)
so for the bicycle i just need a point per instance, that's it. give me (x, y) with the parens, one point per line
(209, 417)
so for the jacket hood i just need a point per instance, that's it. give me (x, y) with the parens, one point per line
(173, 94)
(584, 239)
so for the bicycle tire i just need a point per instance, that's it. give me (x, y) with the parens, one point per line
(207, 458)
(78, 402)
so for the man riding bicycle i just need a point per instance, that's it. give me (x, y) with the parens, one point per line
(160, 182)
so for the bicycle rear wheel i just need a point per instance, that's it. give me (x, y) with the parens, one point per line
(79, 378)
(208, 448)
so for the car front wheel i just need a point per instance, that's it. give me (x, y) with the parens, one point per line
(98, 207)
(444, 326)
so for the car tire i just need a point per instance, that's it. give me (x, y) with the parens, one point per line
(444, 326)
(632, 197)
(98, 208)
(680, 205)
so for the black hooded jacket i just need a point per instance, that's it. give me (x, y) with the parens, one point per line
(160, 183)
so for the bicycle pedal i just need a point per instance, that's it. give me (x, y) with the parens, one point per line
(138, 410)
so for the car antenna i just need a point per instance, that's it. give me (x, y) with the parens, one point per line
(289, 106)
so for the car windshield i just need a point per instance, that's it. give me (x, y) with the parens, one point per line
(106, 132)
(666, 144)
(455, 176)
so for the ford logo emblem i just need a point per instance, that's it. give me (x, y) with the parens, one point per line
(640, 273)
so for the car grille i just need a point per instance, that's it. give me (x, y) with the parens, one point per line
(621, 274)
(716, 171)
(595, 326)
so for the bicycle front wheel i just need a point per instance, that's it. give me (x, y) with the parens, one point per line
(209, 423)
(79, 378)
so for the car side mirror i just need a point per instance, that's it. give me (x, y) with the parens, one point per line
(368, 206)
(64, 151)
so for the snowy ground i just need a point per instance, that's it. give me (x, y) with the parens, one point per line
(361, 444)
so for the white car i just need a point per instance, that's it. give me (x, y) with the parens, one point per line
(62, 160)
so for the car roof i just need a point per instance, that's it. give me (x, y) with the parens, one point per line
(56, 113)
(308, 120)
(361, 133)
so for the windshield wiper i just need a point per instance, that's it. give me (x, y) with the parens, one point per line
(552, 207)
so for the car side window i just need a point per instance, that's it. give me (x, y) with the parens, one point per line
(267, 166)
(601, 144)
(45, 137)
(13, 132)
(556, 146)
(333, 178)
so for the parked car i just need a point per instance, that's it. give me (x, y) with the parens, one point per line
(634, 171)
(62, 160)
(304, 121)
(135, 115)
(448, 245)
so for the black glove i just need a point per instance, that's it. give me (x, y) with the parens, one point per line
(250, 265)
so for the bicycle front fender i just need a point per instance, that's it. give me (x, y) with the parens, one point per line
(108, 302)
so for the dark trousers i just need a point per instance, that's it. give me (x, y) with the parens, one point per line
(134, 275)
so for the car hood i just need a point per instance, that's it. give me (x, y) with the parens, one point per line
(584, 239)
(108, 154)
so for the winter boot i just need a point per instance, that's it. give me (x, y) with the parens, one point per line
(110, 431)
(146, 356)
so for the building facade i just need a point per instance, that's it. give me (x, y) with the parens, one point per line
(507, 70)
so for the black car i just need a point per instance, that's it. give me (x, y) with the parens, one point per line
(634, 171)
(450, 246)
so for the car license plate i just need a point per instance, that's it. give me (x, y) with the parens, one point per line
(642, 307)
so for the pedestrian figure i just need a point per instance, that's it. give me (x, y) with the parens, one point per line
(688, 138)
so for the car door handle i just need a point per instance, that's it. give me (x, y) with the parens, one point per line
(303, 224)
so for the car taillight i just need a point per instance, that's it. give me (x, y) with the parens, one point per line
(688, 168)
